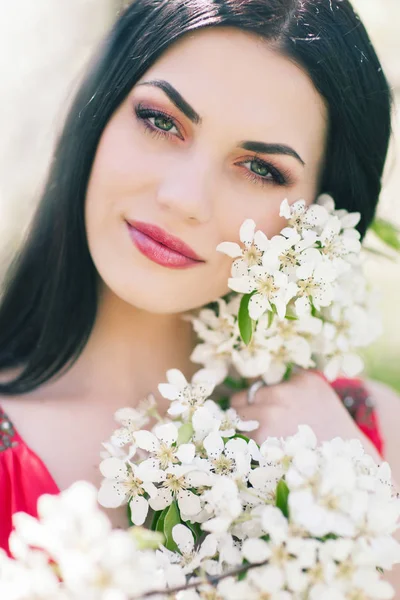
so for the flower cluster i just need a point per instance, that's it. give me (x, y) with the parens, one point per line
(300, 299)
(227, 519)
(71, 552)
(287, 519)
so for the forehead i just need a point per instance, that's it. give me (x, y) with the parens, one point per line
(237, 82)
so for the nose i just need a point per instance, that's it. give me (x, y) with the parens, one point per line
(186, 189)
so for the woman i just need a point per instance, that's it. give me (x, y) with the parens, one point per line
(192, 117)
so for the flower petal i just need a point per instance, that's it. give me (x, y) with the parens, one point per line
(243, 285)
(213, 444)
(168, 391)
(246, 232)
(186, 453)
(163, 499)
(146, 440)
(258, 304)
(188, 503)
(230, 248)
(176, 377)
(113, 468)
(256, 550)
(167, 433)
(139, 509)
(239, 268)
(112, 494)
(261, 240)
(183, 538)
(303, 306)
(284, 210)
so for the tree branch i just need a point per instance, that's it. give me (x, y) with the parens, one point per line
(210, 580)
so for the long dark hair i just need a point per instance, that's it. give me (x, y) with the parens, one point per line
(50, 296)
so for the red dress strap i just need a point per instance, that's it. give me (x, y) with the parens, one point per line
(361, 407)
(23, 478)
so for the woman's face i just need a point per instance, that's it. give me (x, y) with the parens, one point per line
(230, 130)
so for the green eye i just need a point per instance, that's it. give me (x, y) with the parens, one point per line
(163, 123)
(259, 168)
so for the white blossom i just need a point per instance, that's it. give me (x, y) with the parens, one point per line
(124, 482)
(185, 397)
(310, 270)
(189, 558)
(71, 552)
(271, 289)
(179, 479)
(251, 255)
(301, 217)
(132, 419)
(223, 503)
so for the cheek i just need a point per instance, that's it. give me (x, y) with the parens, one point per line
(125, 162)
(261, 206)
(265, 215)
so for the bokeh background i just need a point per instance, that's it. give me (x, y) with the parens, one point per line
(44, 46)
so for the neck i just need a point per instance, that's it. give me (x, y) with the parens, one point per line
(129, 352)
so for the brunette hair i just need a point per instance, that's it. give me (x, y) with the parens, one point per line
(50, 296)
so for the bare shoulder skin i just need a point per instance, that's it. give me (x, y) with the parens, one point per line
(66, 433)
(388, 411)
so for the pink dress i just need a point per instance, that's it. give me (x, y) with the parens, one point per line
(24, 477)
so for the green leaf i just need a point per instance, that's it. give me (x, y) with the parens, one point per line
(224, 402)
(245, 322)
(240, 436)
(291, 318)
(172, 518)
(195, 529)
(237, 435)
(388, 233)
(157, 514)
(270, 318)
(243, 574)
(288, 372)
(184, 434)
(282, 497)
(159, 526)
(235, 384)
(129, 515)
(314, 311)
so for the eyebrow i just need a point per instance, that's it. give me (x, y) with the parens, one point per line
(195, 118)
(272, 149)
(175, 98)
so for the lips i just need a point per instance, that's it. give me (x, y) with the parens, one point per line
(161, 247)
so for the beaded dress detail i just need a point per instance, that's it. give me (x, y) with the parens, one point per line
(361, 407)
(7, 432)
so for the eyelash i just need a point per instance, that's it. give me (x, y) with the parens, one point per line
(278, 177)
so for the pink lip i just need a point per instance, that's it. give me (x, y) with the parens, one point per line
(160, 247)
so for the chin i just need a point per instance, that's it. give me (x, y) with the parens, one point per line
(157, 299)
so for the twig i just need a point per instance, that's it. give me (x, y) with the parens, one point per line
(212, 580)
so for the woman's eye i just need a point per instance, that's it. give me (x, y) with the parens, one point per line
(259, 168)
(261, 172)
(157, 123)
(163, 123)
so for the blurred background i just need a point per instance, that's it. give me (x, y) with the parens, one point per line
(44, 46)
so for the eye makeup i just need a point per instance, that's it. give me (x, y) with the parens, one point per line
(145, 115)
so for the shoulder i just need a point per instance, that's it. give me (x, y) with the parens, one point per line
(387, 403)
(22, 413)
